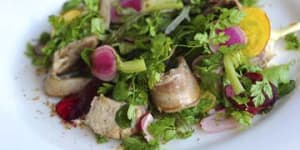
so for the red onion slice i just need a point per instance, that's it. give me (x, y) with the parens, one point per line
(143, 125)
(218, 122)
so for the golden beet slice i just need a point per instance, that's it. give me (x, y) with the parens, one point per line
(257, 28)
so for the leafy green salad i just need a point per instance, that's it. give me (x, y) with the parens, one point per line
(150, 71)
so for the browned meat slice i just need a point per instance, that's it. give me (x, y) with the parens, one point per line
(63, 61)
(177, 89)
(101, 118)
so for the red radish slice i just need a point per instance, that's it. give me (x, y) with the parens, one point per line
(218, 122)
(135, 4)
(236, 36)
(143, 125)
(104, 63)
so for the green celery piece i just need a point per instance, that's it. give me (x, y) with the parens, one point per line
(232, 75)
(132, 66)
(153, 5)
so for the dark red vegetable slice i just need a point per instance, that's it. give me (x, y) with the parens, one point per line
(75, 106)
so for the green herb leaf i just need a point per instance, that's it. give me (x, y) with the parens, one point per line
(249, 2)
(138, 143)
(105, 88)
(286, 88)
(163, 129)
(257, 92)
(71, 4)
(277, 74)
(243, 117)
(292, 42)
(241, 100)
(36, 59)
(98, 27)
(131, 112)
(101, 139)
(92, 5)
(121, 91)
(85, 56)
(229, 17)
(121, 117)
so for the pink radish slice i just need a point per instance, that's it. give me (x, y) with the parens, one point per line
(115, 17)
(143, 125)
(236, 36)
(104, 63)
(218, 122)
(135, 4)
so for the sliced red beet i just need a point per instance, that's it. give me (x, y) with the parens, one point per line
(85, 99)
(65, 106)
(250, 107)
(77, 105)
(104, 63)
(253, 76)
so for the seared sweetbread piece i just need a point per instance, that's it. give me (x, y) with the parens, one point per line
(101, 118)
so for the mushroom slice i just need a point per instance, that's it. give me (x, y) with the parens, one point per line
(64, 60)
(101, 118)
(177, 89)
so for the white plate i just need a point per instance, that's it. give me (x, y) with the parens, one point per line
(26, 123)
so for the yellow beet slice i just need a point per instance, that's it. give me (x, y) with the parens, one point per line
(70, 15)
(257, 28)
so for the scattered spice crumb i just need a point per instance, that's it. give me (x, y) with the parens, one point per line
(36, 98)
(40, 112)
(40, 71)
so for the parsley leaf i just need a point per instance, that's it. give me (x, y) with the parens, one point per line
(161, 48)
(138, 143)
(85, 56)
(229, 17)
(101, 139)
(285, 88)
(131, 112)
(105, 88)
(121, 91)
(241, 100)
(249, 2)
(92, 5)
(258, 90)
(163, 129)
(292, 42)
(243, 117)
(277, 74)
(98, 27)
(121, 117)
(71, 4)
